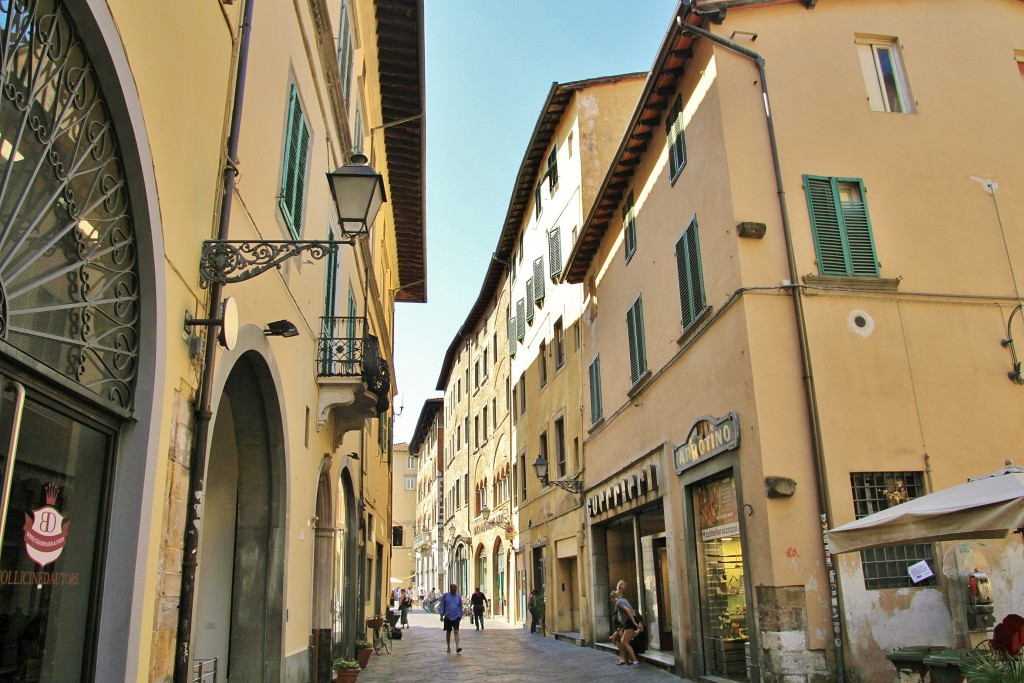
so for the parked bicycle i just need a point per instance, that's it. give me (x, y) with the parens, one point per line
(381, 633)
(431, 605)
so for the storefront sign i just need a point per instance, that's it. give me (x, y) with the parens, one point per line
(624, 491)
(708, 436)
(721, 531)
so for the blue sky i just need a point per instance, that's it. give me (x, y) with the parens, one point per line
(489, 66)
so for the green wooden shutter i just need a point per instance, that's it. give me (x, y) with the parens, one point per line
(689, 275)
(512, 336)
(529, 300)
(552, 169)
(629, 227)
(637, 344)
(823, 204)
(293, 176)
(536, 200)
(863, 259)
(676, 138)
(538, 279)
(555, 253)
(596, 409)
(520, 319)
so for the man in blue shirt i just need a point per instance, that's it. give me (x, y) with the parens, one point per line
(450, 610)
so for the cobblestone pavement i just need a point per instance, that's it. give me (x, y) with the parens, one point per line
(501, 653)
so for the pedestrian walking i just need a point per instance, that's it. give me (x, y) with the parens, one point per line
(628, 627)
(450, 610)
(404, 604)
(478, 600)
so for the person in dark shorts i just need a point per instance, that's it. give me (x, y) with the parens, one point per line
(450, 609)
(478, 600)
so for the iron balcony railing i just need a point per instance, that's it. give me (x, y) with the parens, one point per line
(347, 349)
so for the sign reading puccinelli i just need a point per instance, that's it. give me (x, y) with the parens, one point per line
(708, 436)
(631, 486)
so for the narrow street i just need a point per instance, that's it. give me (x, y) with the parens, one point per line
(496, 654)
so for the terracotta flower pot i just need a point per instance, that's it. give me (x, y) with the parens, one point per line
(346, 675)
(363, 656)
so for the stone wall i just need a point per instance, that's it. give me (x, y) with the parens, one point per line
(783, 654)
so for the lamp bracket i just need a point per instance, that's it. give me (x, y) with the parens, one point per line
(570, 485)
(229, 261)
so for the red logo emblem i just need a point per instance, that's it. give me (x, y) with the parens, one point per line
(46, 531)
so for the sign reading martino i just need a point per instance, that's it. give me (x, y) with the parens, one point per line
(708, 436)
(624, 491)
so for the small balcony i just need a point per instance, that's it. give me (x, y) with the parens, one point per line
(354, 380)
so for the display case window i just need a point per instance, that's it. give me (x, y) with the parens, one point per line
(723, 583)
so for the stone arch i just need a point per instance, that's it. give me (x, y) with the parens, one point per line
(241, 577)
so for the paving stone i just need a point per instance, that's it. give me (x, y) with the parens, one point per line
(500, 653)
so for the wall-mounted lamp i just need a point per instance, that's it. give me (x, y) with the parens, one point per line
(281, 328)
(358, 193)
(540, 467)
(1015, 374)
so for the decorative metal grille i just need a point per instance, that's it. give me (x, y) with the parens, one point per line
(69, 289)
(886, 567)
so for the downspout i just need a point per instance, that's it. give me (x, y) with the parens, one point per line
(813, 419)
(203, 411)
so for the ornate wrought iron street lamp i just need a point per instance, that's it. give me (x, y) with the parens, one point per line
(358, 193)
(540, 467)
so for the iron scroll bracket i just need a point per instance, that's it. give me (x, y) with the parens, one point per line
(231, 261)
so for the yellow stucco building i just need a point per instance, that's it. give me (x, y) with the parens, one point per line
(165, 186)
(799, 270)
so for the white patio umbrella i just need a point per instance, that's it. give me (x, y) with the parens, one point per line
(990, 506)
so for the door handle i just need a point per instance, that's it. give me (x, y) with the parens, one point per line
(12, 447)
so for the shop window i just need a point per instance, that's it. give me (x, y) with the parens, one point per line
(886, 567)
(723, 582)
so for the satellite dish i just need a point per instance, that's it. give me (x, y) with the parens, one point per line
(228, 335)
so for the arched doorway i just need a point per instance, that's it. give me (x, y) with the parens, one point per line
(480, 570)
(321, 618)
(498, 587)
(240, 587)
(345, 540)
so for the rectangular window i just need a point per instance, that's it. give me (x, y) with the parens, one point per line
(886, 567)
(560, 453)
(629, 226)
(410, 483)
(522, 395)
(515, 402)
(484, 421)
(536, 200)
(293, 177)
(397, 536)
(465, 429)
(345, 51)
(884, 77)
(410, 463)
(494, 413)
(552, 172)
(559, 345)
(555, 253)
(544, 448)
(576, 454)
(843, 239)
(522, 477)
(494, 348)
(689, 275)
(542, 363)
(476, 431)
(637, 344)
(675, 138)
(596, 407)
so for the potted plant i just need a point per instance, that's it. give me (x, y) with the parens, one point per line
(346, 670)
(364, 649)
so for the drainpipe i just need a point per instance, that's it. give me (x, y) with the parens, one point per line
(810, 395)
(203, 412)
